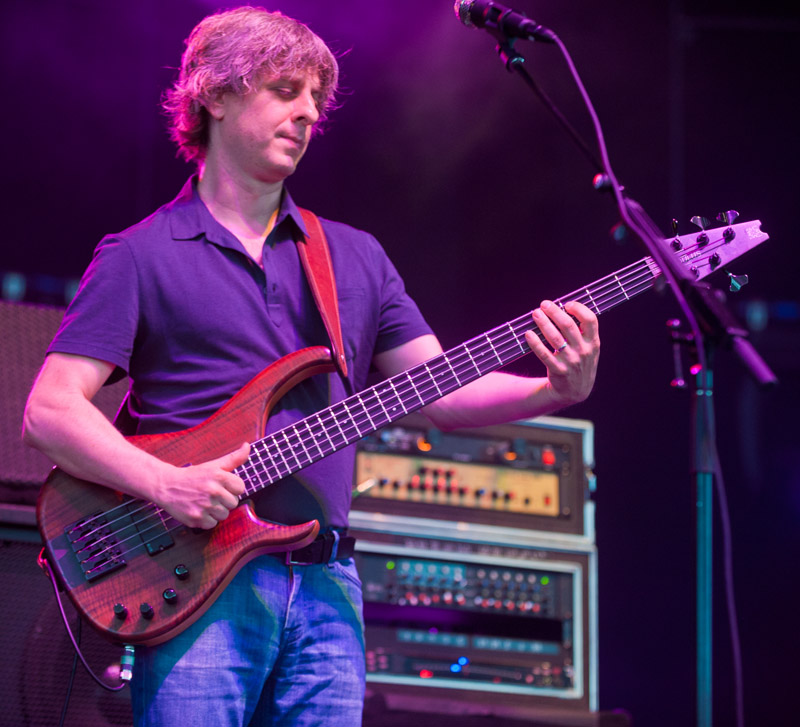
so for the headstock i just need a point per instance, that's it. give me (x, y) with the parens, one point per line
(705, 251)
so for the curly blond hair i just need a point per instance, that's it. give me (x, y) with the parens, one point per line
(230, 52)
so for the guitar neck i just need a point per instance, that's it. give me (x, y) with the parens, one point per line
(309, 440)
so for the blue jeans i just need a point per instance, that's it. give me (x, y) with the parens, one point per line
(282, 645)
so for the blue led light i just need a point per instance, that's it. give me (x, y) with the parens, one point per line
(455, 668)
(463, 661)
(14, 286)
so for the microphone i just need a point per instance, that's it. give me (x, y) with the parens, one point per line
(494, 16)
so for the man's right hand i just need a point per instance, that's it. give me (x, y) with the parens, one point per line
(203, 495)
(62, 422)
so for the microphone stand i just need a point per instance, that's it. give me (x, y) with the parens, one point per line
(712, 324)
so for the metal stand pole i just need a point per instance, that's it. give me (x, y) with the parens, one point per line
(703, 442)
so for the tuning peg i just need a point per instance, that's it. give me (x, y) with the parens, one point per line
(737, 282)
(703, 223)
(728, 218)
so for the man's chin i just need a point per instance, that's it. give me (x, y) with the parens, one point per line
(277, 172)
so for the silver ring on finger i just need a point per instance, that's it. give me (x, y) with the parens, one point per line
(558, 350)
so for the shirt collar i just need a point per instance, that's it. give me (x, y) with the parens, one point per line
(191, 220)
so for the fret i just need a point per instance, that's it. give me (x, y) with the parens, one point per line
(325, 431)
(272, 459)
(483, 359)
(302, 444)
(242, 470)
(289, 450)
(494, 350)
(452, 370)
(592, 301)
(517, 338)
(313, 437)
(352, 418)
(251, 487)
(380, 401)
(445, 376)
(411, 380)
(366, 412)
(257, 451)
(433, 379)
(397, 396)
(338, 426)
(486, 358)
(621, 287)
(472, 360)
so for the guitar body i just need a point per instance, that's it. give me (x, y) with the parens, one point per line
(206, 560)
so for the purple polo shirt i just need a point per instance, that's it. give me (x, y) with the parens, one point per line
(177, 304)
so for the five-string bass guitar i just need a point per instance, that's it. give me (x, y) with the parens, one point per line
(140, 577)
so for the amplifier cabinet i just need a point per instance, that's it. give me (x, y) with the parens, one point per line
(534, 475)
(480, 621)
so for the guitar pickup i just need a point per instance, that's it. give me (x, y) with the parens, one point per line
(151, 529)
(95, 546)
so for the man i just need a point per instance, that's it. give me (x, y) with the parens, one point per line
(194, 301)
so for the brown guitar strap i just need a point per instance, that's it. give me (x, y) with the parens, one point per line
(316, 259)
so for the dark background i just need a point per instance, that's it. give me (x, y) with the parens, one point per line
(486, 207)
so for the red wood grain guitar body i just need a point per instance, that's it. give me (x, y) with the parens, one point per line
(153, 576)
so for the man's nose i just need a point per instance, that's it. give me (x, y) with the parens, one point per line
(305, 107)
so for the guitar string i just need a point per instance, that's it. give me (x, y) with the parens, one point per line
(124, 513)
(599, 300)
(112, 543)
(526, 323)
(454, 361)
(462, 361)
(138, 533)
(282, 466)
(459, 365)
(454, 358)
(617, 283)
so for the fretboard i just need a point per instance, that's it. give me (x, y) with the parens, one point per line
(301, 444)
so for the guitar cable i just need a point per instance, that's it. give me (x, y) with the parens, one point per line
(72, 672)
(127, 658)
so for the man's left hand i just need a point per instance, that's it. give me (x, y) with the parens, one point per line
(571, 359)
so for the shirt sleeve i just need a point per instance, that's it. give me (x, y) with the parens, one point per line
(400, 318)
(101, 320)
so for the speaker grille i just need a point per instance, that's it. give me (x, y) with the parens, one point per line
(26, 331)
(37, 654)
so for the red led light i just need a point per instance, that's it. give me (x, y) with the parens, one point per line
(426, 674)
(548, 457)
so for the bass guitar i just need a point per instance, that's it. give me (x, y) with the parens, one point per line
(140, 577)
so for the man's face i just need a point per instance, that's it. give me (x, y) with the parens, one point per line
(264, 134)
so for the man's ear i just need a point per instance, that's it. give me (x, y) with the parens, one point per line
(216, 106)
